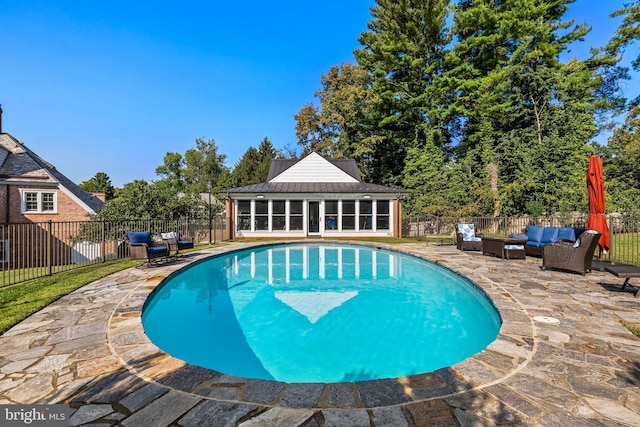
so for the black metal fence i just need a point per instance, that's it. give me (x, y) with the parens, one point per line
(624, 230)
(32, 250)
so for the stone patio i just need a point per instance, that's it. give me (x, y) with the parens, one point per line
(88, 350)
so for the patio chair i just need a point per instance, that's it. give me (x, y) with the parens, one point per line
(142, 246)
(177, 242)
(467, 239)
(571, 256)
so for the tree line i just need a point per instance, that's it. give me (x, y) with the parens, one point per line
(467, 104)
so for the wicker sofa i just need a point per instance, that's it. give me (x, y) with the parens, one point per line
(537, 237)
(571, 256)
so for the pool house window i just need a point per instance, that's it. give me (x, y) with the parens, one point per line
(331, 215)
(296, 215)
(382, 215)
(262, 215)
(279, 216)
(244, 215)
(366, 214)
(348, 214)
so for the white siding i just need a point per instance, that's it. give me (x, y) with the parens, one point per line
(314, 168)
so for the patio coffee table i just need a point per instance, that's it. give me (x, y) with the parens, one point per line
(496, 246)
(625, 271)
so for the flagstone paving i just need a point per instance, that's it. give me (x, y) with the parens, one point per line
(88, 350)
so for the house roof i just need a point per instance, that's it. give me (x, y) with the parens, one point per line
(314, 187)
(19, 164)
(314, 174)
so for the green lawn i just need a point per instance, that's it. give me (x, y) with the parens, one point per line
(19, 301)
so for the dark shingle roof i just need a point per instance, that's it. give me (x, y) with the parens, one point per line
(22, 164)
(315, 187)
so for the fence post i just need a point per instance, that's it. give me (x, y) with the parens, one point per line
(103, 243)
(49, 251)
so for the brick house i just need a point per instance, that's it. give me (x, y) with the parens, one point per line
(33, 191)
(314, 197)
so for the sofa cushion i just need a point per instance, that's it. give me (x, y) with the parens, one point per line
(567, 233)
(140, 237)
(549, 234)
(534, 233)
(468, 232)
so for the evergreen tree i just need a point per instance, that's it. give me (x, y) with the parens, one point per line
(404, 51)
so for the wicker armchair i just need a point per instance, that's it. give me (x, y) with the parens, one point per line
(142, 246)
(571, 256)
(177, 242)
(467, 239)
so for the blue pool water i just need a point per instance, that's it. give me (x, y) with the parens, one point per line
(319, 313)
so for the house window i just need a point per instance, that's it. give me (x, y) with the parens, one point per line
(295, 215)
(331, 214)
(279, 217)
(244, 214)
(4, 250)
(39, 202)
(262, 215)
(348, 215)
(382, 215)
(366, 214)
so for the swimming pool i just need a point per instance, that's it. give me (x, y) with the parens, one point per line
(319, 312)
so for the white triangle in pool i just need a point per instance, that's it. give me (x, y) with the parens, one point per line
(314, 305)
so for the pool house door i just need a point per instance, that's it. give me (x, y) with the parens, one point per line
(314, 219)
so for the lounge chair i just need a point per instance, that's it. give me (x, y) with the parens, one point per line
(142, 246)
(177, 242)
(571, 256)
(467, 239)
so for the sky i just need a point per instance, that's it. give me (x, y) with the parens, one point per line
(112, 86)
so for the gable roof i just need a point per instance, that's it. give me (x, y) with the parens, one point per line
(19, 164)
(286, 170)
(314, 174)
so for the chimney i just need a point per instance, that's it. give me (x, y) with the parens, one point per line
(100, 195)
(0, 118)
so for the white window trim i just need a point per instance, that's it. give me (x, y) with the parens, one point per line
(23, 202)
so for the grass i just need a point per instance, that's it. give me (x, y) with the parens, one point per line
(634, 328)
(19, 301)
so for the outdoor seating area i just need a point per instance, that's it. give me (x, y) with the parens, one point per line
(537, 372)
(143, 245)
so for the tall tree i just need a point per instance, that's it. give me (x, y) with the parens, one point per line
(403, 50)
(204, 165)
(512, 94)
(338, 127)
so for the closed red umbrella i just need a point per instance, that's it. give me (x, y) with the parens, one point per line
(597, 220)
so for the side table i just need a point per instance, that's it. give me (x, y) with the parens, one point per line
(496, 246)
